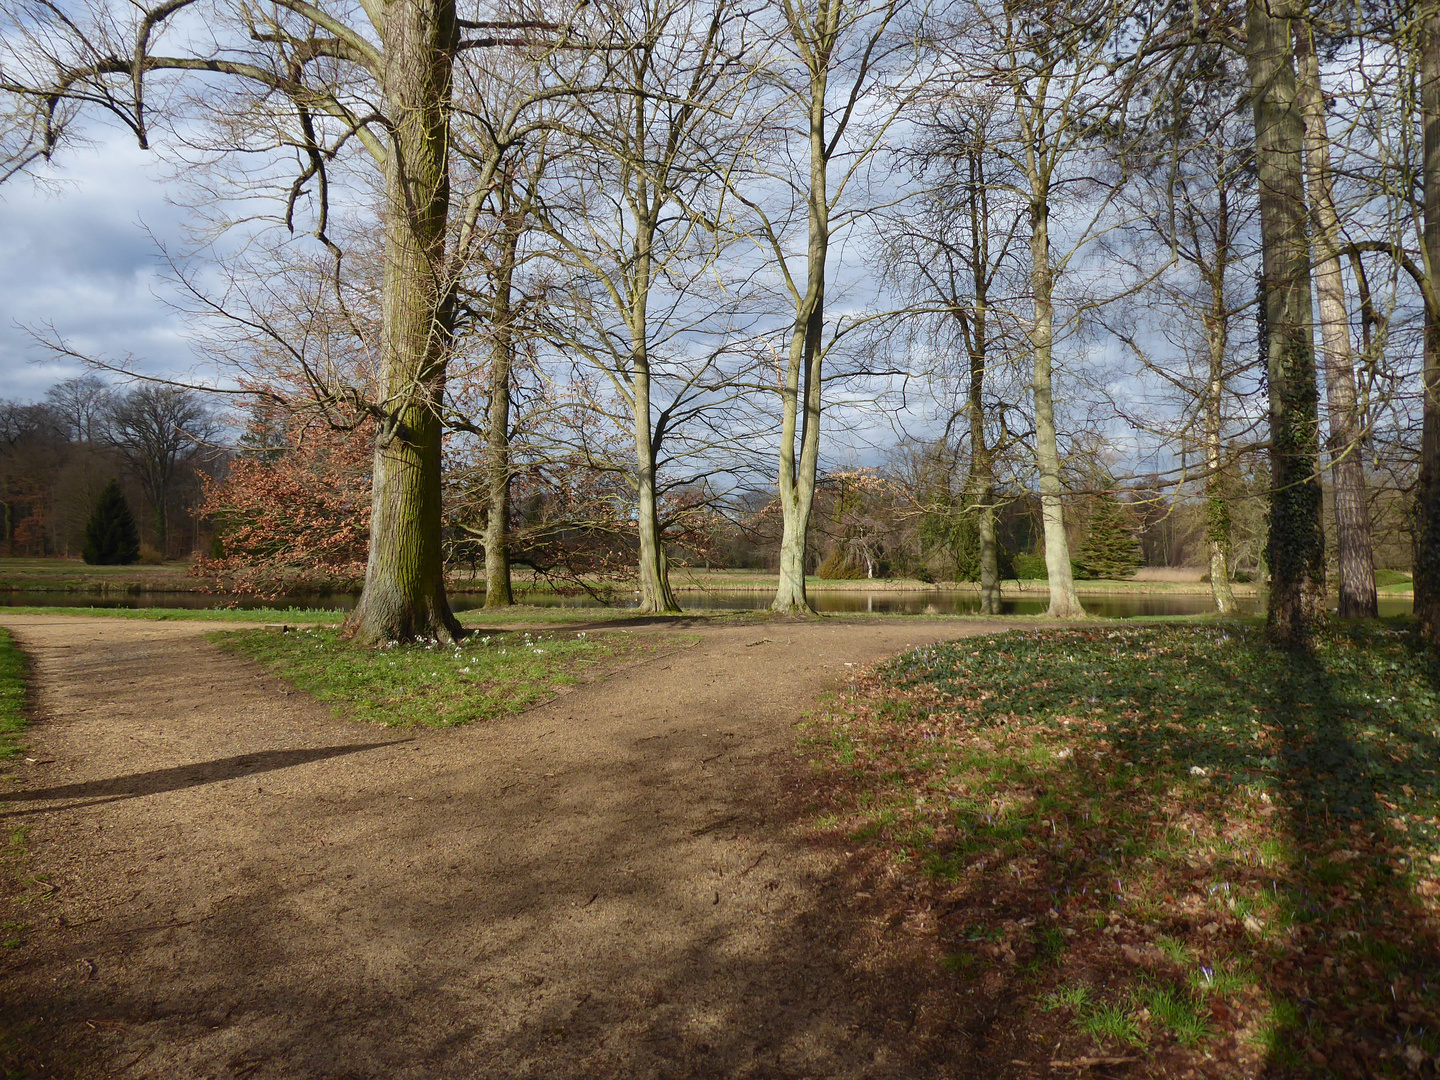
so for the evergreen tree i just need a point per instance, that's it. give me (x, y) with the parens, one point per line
(111, 538)
(1109, 548)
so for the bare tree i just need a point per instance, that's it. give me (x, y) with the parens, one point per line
(956, 248)
(159, 431)
(1354, 548)
(82, 404)
(320, 81)
(632, 211)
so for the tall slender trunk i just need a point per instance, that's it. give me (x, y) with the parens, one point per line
(497, 442)
(980, 497)
(404, 595)
(656, 596)
(800, 390)
(1217, 340)
(980, 484)
(1427, 565)
(1354, 549)
(1064, 603)
(1218, 509)
(1297, 539)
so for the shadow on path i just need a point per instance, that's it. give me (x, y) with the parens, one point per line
(179, 777)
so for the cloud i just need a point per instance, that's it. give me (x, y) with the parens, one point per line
(75, 254)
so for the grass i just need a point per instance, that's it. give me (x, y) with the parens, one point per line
(1240, 844)
(14, 679)
(485, 676)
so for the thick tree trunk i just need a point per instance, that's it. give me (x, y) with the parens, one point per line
(404, 595)
(497, 442)
(1064, 603)
(1297, 539)
(1427, 566)
(1355, 551)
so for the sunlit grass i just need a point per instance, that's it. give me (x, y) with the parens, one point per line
(484, 676)
(14, 676)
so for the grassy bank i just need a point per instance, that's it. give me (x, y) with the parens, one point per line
(486, 676)
(1171, 844)
(14, 690)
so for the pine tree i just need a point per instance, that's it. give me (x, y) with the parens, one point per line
(111, 538)
(1109, 549)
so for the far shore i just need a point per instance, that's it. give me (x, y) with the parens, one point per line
(30, 575)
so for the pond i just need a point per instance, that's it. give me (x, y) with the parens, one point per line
(919, 602)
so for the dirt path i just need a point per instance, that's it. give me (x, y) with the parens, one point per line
(606, 886)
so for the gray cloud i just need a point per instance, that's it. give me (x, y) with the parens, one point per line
(74, 252)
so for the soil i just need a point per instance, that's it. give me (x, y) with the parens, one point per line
(224, 880)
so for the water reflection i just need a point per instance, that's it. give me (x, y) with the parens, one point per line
(920, 602)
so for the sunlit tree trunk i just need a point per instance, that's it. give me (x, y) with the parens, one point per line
(1217, 508)
(1297, 540)
(1064, 603)
(1355, 551)
(800, 390)
(404, 594)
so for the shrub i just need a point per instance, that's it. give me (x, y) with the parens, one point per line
(111, 538)
(1030, 566)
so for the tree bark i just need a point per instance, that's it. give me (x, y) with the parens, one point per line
(656, 596)
(404, 595)
(1355, 550)
(1427, 566)
(800, 391)
(1218, 509)
(1297, 539)
(1064, 603)
(497, 442)
(980, 483)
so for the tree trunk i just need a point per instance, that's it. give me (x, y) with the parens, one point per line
(1427, 565)
(1297, 539)
(656, 596)
(497, 444)
(1218, 524)
(1064, 604)
(981, 481)
(1217, 340)
(1354, 550)
(404, 595)
(800, 393)
(980, 484)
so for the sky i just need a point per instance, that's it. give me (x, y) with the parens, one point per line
(75, 254)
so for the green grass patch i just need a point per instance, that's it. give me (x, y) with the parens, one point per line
(14, 690)
(1232, 837)
(484, 676)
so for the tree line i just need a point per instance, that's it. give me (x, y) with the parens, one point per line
(58, 455)
(626, 261)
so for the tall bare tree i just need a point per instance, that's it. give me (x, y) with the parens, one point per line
(838, 86)
(956, 248)
(1354, 549)
(319, 80)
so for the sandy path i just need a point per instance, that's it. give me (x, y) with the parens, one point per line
(601, 887)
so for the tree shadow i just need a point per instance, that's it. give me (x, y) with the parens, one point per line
(180, 777)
